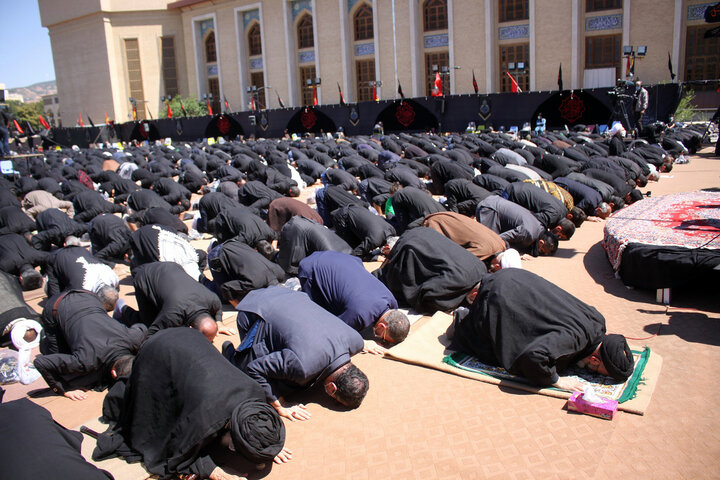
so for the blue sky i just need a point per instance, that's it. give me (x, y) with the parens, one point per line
(25, 54)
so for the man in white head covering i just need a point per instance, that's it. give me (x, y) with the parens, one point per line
(13, 309)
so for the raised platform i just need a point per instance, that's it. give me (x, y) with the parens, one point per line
(667, 241)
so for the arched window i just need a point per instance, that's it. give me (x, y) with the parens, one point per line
(210, 52)
(254, 42)
(305, 32)
(363, 21)
(435, 15)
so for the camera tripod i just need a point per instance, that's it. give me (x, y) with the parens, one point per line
(620, 112)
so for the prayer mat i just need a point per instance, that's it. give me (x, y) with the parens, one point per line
(603, 386)
(427, 346)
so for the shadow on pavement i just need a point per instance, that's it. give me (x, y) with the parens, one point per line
(692, 327)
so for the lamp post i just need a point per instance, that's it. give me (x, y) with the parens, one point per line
(252, 90)
(166, 101)
(375, 84)
(313, 83)
(629, 52)
(133, 104)
(208, 99)
(444, 71)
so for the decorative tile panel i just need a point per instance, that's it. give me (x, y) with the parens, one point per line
(205, 25)
(364, 49)
(306, 57)
(249, 16)
(298, 6)
(697, 12)
(515, 31)
(212, 70)
(256, 63)
(603, 22)
(351, 4)
(430, 41)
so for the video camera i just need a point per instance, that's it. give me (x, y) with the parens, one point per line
(622, 89)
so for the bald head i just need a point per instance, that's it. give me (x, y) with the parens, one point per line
(206, 325)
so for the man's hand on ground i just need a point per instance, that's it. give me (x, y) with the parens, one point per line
(593, 218)
(284, 456)
(293, 412)
(76, 395)
(220, 474)
(372, 347)
(225, 330)
(569, 384)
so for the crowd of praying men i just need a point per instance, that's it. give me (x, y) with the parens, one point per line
(450, 217)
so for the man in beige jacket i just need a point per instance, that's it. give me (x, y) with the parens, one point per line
(40, 200)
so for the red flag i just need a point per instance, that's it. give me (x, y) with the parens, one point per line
(17, 127)
(252, 103)
(182, 107)
(437, 91)
(169, 110)
(134, 112)
(375, 97)
(209, 107)
(81, 120)
(107, 119)
(342, 99)
(43, 121)
(514, 85)
(628, 66)
(475, 85)
(227, 105)
(314, 89)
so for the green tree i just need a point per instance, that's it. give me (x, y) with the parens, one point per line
(26, 112)
(193, 108)
(686, 107)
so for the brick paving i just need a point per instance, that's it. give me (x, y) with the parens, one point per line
(418, 423)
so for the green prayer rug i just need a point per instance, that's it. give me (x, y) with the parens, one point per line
(604, 386)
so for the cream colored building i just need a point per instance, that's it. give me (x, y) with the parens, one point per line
(51, 109)
(107, 51)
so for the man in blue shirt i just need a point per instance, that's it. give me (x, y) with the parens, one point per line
(340, 284)
(290, 343)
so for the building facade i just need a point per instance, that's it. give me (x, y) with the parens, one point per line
(257, 54)
(51, 109)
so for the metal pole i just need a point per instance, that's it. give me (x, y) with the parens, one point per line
(395, 47)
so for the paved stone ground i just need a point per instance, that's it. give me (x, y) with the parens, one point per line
(418, 423)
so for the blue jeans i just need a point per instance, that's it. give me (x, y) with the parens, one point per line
(5, 147)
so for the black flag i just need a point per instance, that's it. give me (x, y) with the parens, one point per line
(400, 92)
(712, 14)
(560, 83)
(90, 120)
(712, 33)
(672, 75)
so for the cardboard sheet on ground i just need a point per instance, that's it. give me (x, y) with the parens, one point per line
(118, 467)
(411, 314)
(427, 346)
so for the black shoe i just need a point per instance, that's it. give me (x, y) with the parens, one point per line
(228, 350)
